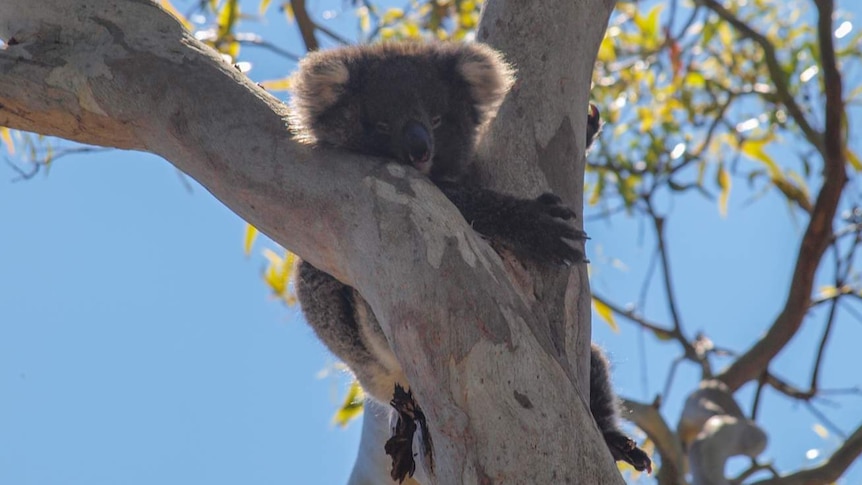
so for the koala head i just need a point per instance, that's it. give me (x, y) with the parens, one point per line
(420, 104)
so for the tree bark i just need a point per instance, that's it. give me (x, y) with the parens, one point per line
(497, 357)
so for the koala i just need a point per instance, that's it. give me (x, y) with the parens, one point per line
(423, 105)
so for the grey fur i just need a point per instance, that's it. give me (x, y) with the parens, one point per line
(423, 105)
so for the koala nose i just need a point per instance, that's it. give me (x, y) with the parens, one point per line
(418, 143)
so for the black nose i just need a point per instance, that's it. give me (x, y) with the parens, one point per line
(417, 142)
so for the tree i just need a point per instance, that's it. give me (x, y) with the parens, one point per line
(717, 93)
(126, 75)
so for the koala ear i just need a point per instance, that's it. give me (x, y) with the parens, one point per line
(487, 76)
(319, 84)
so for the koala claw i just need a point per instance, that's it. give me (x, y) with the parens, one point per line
(624, 448)
(548, 235)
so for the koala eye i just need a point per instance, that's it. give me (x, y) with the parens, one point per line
(382, 128)
(436, 121)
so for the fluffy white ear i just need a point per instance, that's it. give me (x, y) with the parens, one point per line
(319, 84)
(487, 74)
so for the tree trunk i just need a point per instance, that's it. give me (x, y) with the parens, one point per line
(497, 355)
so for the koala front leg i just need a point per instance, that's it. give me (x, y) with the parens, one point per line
(538, 229)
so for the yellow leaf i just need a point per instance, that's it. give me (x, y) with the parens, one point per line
(250, 236)
(282, 84)
(755, 149)
(364, 19)
(272, 257)
(352, 406)
(169, 7)
(647, 117)
(853, 160)
(607, 51)
(606, 313)
(6, 136)
(227, 18)
(724, 184)
(264, 5)
(411, 30)
(828, 291)
(392, 15)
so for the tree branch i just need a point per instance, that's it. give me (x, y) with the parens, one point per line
(125, 74)
(818, 234)
(306, 25)
(776, 73)
(828, 472)
(649, 419)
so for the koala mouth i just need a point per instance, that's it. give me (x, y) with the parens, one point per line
(419, 145)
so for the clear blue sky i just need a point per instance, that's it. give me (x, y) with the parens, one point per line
(138, 344)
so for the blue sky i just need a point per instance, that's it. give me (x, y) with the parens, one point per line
(138, 344)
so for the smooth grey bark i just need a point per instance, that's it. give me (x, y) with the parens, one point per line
(497, 354)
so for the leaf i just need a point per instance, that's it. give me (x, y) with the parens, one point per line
(352, 407)
(794, 193)
(606, 313)
(227, 18)
(754, 149)
(364, 19)
(282, 84)
(607, 51)
(723, 179)
(853, 160)
(6, 137)
(264, 5)
(391, 15)
(828, 291)
(250, 236)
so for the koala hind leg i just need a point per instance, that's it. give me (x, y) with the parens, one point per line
(604, 407)
(344, 323)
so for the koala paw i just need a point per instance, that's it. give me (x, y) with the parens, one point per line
(547, 235)
(400, 445)
(624, 448)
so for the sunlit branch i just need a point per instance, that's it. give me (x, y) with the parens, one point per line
(306, 25)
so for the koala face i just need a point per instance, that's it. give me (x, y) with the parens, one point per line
(418, 104)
